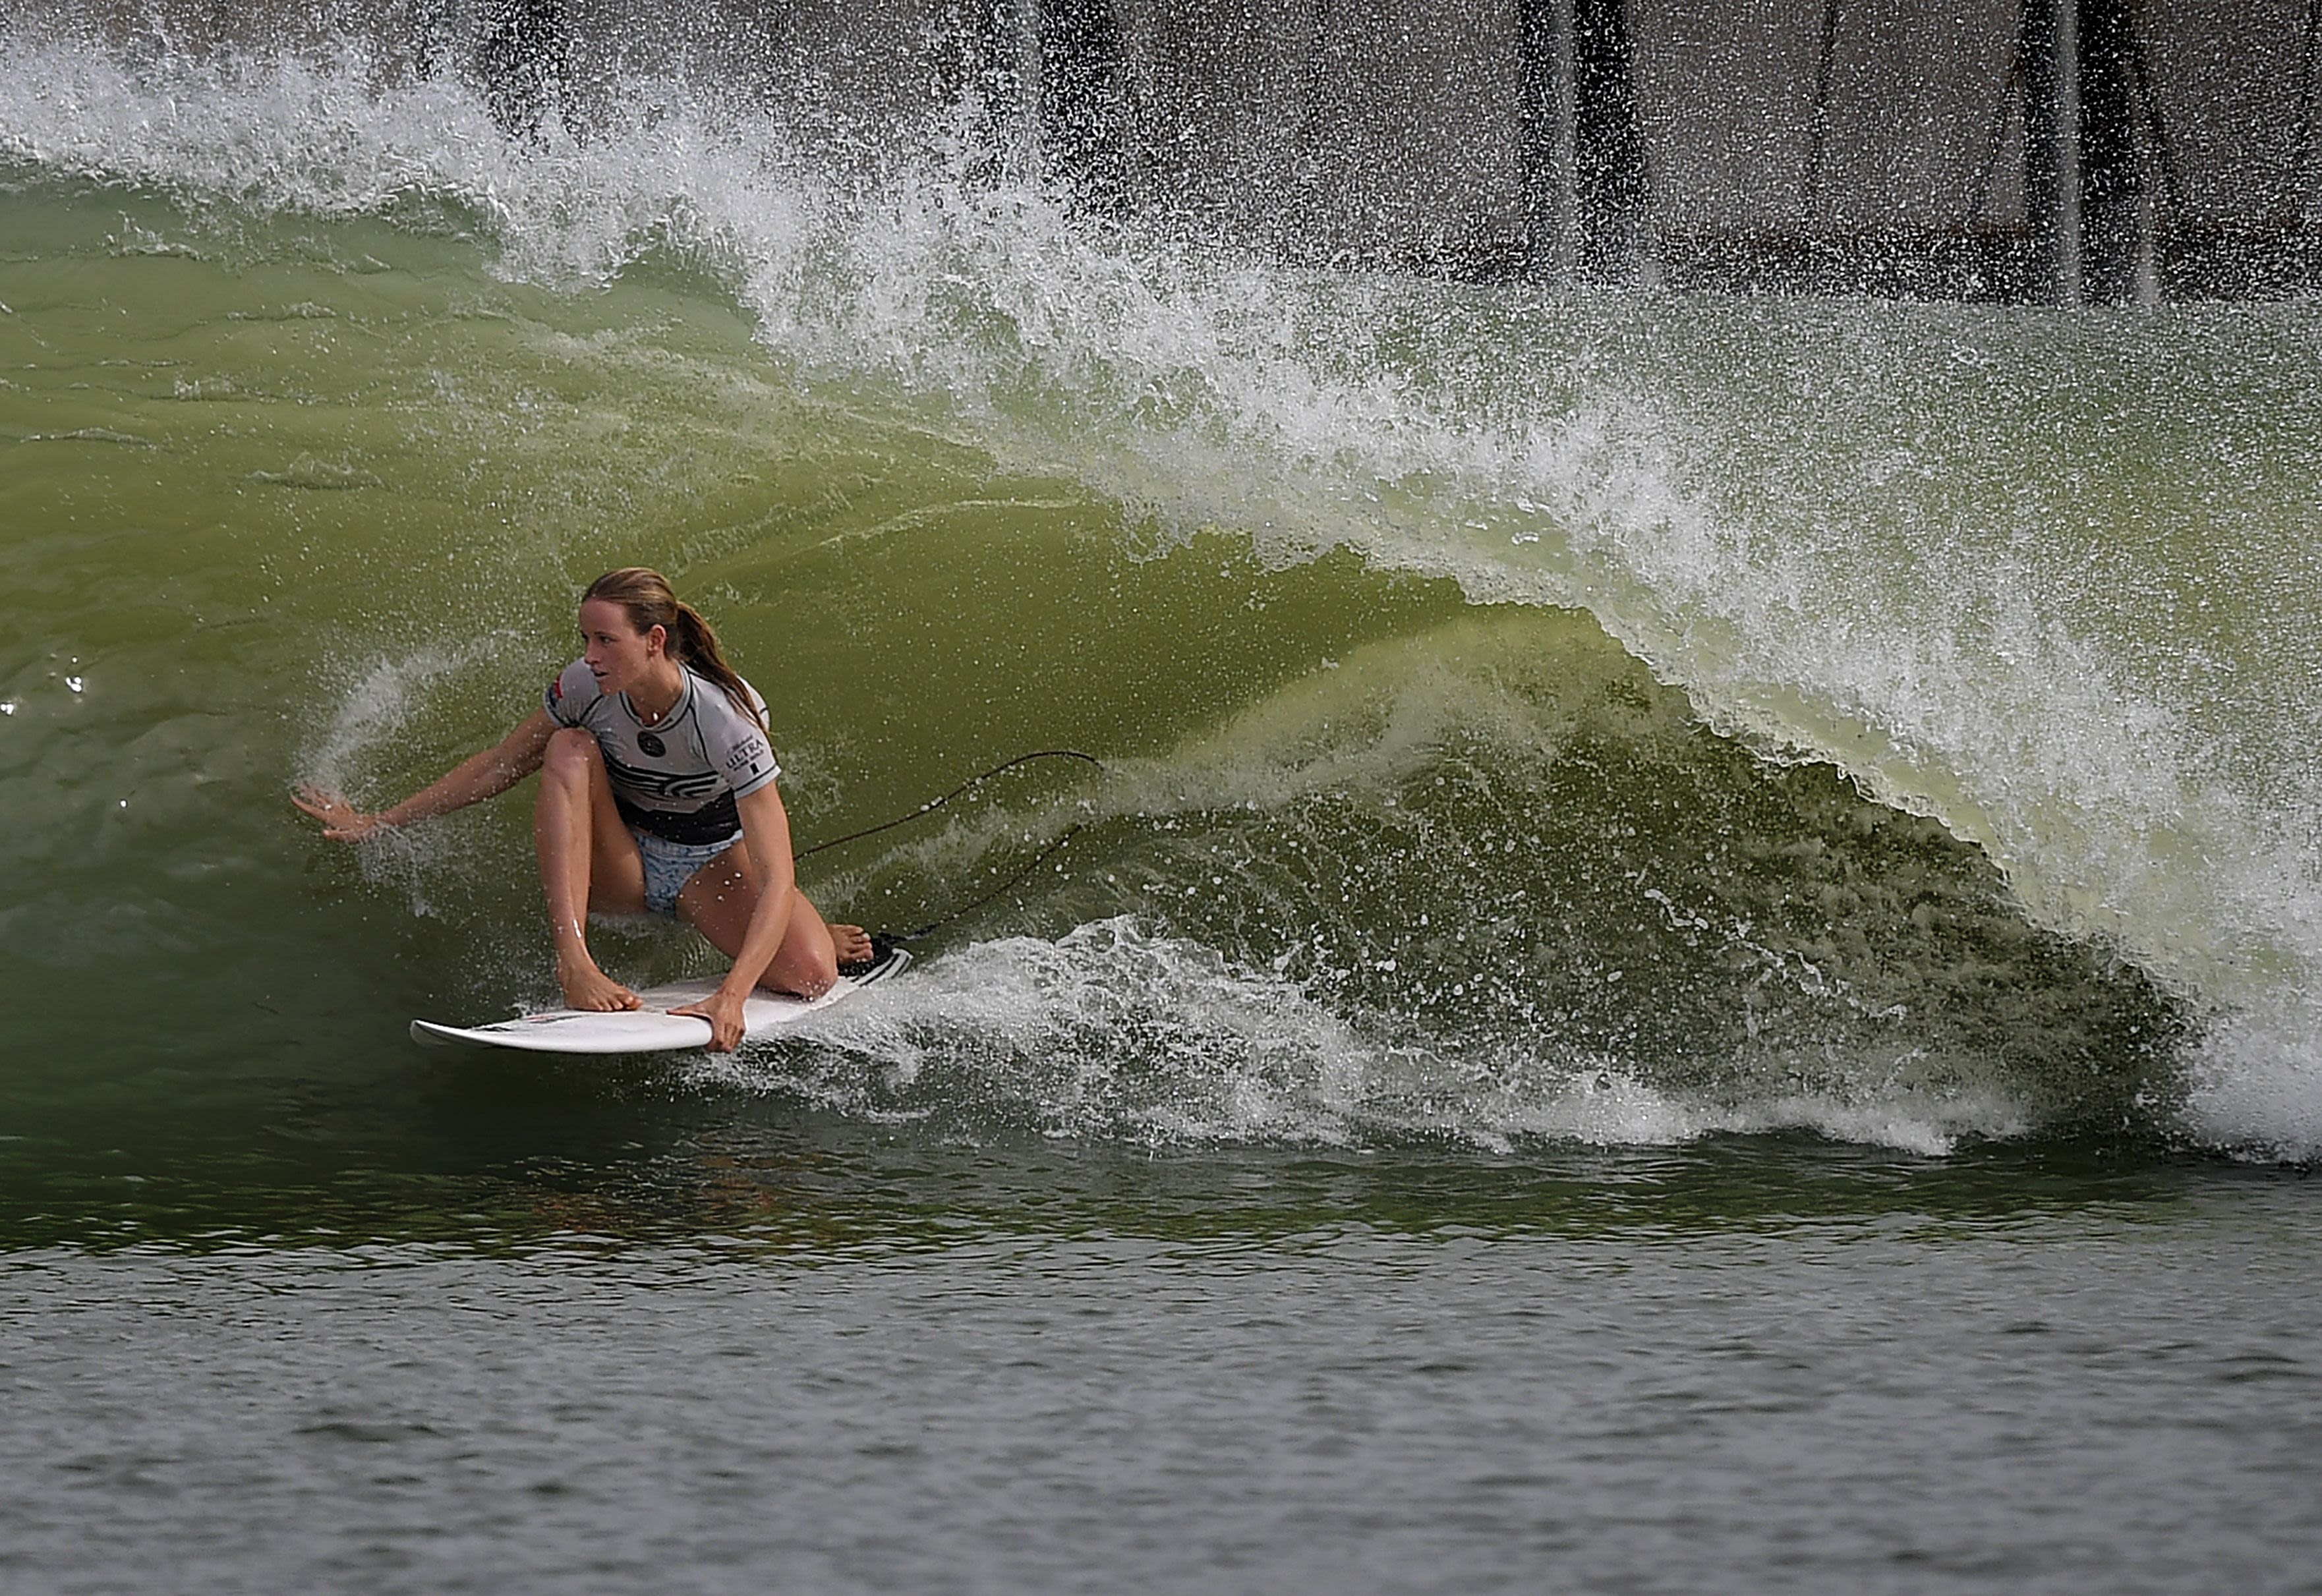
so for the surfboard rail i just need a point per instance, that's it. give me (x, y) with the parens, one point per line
(650, 1029)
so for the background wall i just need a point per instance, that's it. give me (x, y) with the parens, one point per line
(1894, 146)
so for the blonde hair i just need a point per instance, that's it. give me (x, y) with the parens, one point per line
(646, 597)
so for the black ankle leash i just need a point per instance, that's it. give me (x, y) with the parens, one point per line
(931, 806)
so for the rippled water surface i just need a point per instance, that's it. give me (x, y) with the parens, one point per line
(889, 1364)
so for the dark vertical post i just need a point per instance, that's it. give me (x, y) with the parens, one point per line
(1818, 129)
(1608, 139)
(1551, 115)
(2302, 170)
(2071, 196)
(2156, 126)
(522, 58)
(2169, 198)
(1082, 127)
(2112, 176)
(433, 39)
(2050, 36)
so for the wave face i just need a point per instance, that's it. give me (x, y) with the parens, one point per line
(1529, 713)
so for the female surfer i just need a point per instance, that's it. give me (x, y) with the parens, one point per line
(656, 796)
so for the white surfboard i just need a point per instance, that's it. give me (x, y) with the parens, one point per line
(650, 1029)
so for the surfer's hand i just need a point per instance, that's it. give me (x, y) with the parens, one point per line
(342, 821)
(723, 1010)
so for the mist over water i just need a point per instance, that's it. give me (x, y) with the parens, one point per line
(1532, 716)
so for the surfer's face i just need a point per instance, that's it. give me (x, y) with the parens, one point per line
(618, 654)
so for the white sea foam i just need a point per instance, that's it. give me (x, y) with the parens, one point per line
(374, 713)
(1117, 1031)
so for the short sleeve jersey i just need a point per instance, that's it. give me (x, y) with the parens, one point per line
(678, 777)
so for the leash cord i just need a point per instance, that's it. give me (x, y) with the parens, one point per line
(932, 804)
(965, 909)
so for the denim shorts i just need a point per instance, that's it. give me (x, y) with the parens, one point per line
(669, 865)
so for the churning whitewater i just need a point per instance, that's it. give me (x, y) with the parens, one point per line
(1528, 713)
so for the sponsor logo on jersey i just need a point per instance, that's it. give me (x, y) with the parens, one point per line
(650, 786)
(747, 757)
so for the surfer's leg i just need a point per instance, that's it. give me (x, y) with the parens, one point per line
(719, 902)
(588, 859)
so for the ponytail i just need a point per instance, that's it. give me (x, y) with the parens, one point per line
(698, 650)
(648, 599)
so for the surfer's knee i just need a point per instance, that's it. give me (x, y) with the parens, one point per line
(573, 754)
(814, 971)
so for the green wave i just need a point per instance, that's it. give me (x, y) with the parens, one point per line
(1373, 862)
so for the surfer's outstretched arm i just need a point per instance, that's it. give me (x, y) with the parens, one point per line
(473, 780)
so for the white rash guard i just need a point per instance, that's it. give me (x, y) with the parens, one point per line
(678, 778)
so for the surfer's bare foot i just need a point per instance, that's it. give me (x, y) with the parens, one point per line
(851, 943)
(585, 987)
